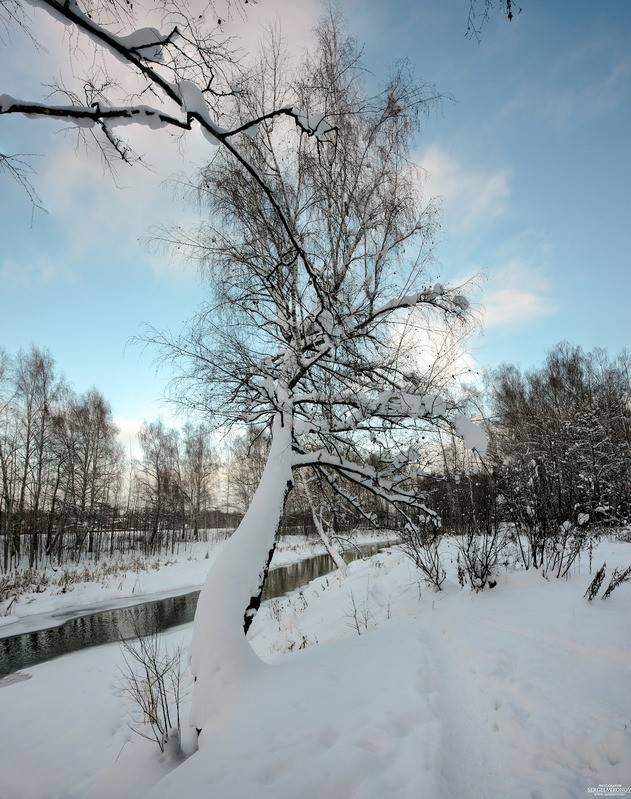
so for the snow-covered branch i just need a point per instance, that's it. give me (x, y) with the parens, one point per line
(438, 297)
(366, 477)
(87, 116)
(179, 68)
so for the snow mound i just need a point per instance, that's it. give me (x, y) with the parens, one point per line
(355, 718)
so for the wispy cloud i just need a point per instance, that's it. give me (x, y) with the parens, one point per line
(573, 105)
(585, 82)
(516, 293)
(99, 214)
(473, 196)
(40, 272)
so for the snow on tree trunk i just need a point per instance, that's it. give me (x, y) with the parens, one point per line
(220, 655)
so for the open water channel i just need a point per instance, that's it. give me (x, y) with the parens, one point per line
(104, 627)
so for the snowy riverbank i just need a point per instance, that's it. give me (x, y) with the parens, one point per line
(522, 691)
(115, 584)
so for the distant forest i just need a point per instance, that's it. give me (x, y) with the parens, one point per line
(560, 454)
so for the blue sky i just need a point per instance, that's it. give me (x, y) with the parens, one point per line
(531, 156)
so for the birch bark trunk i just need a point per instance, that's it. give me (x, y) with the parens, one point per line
(220, 655)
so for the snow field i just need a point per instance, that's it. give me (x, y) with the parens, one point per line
(521, 691)
(529, 680)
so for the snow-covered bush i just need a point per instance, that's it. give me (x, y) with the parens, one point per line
(560, 452)
(543, 539)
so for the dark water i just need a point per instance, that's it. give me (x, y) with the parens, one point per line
(21, 651)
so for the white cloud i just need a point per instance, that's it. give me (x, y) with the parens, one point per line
(516, 293)
(38, 272)
(101, 215)
(473, 196)
(295, 27)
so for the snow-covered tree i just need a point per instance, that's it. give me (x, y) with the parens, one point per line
(309, 330)
(562, 446)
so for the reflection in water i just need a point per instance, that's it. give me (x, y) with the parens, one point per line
(21, 651)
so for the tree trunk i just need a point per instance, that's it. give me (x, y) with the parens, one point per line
(221, 657)
(334, 553)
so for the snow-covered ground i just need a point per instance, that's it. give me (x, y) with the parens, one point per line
(522, 691)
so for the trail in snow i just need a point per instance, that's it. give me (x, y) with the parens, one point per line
(354, 719)
(532, 706)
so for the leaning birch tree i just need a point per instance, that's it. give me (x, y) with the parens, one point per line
(304, 329)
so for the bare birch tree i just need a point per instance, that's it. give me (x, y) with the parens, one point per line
(303, 331)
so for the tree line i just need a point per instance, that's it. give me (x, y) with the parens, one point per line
(60, 463)
(556, 474)
(560, 446)
(68, 490)
(560, 453)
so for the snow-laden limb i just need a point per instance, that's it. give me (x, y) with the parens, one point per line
(190, 70)
(436, 296)
(374, 481)
(220, 655)
(148, 43)
(473, 435)
(139, 49)
(87, 116)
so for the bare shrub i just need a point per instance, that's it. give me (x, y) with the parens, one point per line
(564, 548)
(358, 615)
(152, 678)
(479, 555)
(421, 544)
(594, 586)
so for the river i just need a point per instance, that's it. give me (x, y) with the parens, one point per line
(104, 627)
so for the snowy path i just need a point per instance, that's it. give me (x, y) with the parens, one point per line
(531, 708)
